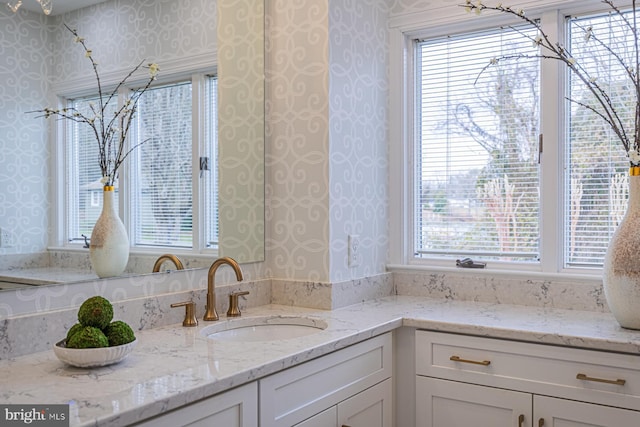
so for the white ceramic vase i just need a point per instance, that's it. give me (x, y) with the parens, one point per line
(621, 272)
(109, 246)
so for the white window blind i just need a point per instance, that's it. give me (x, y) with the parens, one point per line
(162, 195)
(597, 168)
(476, 171)
(210, 176)
(84, 188)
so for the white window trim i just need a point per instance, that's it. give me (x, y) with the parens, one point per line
(449, 19)
(171, 70)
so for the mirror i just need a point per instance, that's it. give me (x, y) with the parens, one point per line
(171, 32)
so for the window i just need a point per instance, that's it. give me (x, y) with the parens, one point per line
(476, 148)
(162, 199)
(168, 206)
(84, 189)
(597, 169)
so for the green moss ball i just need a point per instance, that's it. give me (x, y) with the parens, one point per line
(96, 311)
(88, 337)
(119, 333)
(72, 330)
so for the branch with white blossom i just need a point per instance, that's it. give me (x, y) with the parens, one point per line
(110, 133)
(554, 50)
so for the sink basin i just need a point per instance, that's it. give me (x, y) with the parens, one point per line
(266, 328)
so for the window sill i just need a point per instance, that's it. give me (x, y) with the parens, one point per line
(595, 277)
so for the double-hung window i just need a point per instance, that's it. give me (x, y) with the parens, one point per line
(478, 153)
(168, 205)
(476, 147)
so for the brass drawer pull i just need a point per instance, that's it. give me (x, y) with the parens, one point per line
(520, 420)
(600, 380)
(540, 422)
(475, 362)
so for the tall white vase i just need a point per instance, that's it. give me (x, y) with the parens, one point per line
(109, 246)
(621, 272)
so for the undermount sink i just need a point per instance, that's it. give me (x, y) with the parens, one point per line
(265, 328)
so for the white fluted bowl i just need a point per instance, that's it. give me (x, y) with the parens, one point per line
(91, 357)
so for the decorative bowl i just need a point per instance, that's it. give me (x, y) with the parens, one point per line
(91, 357)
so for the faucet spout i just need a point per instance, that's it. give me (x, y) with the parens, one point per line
(167, 257)
(211, 313)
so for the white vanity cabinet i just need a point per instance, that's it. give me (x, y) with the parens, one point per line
(234, 408)
(466, 380)
(350, 387)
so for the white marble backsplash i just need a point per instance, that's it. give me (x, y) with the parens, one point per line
(329, 296)
(32, 333)
(144, 302)
(572, 294)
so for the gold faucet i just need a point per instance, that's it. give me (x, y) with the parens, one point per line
(211, 313)
(167, 257)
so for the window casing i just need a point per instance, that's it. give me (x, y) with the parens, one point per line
(168, 182)
(565, 243)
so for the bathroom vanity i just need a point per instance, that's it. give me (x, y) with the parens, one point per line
(384, 362)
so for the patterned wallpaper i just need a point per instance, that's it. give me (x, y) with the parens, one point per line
(25, 58)
(161, 31)
(326, 132)
(298, 134)
(241, 128)
(358, 102)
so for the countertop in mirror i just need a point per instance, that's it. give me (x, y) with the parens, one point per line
(44, 276)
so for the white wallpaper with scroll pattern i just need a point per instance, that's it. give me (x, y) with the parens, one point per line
(122, 33)
(327, 101)
(25, 58)
(241, 128)
(358, 98)
(297, 135)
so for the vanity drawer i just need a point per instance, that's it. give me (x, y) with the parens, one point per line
(586, 375)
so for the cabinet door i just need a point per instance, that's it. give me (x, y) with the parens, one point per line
(444, 403)
(369, 408)
(233, 408)
(328, 418)
(568, 413)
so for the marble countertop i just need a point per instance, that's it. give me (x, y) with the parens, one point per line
(174, 366)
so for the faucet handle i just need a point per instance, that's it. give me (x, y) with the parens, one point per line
(190, 312)
(234, 310)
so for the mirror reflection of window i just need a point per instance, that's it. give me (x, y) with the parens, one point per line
(162, 174)
(167, 204)
(209, 173)
(84, 189)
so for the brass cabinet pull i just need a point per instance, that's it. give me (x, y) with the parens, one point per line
(520, 420)
(540, 422)
(600, 380)
(475, 362)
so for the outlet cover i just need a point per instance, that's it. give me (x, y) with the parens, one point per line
(6, 238)
(354, 250)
